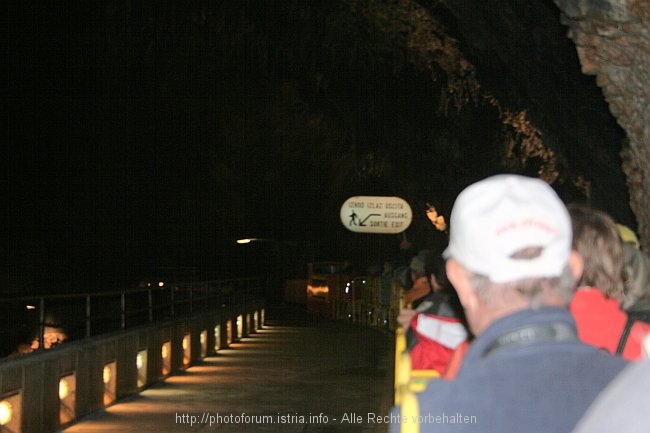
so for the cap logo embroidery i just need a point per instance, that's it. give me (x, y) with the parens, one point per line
(526, 224)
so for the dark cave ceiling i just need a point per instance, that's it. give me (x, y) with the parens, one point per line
(265, 116)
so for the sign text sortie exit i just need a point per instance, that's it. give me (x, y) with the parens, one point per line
(374, 214)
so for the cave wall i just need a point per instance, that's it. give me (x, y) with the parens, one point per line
(565, 131)
(612, 38)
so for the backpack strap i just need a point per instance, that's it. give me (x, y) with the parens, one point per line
(626, 333)
(533, 334)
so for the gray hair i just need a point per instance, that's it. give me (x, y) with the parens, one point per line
(538, 292)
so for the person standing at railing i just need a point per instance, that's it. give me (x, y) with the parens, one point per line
(510, 260)
(636, 296)
(596, 305)
(435, 328)
(420, 286)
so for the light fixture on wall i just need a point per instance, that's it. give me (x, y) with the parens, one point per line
(166, 358)
(67, 398)
(203, 339)
(10, 413)
(228, 332)
(217, 338)
(187, 349)
(110, 380)
(6, 412)
(141, 366)
(240, 327)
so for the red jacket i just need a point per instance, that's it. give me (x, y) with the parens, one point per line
(438, 337)
(601, 321)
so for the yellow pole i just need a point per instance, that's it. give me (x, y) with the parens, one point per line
(411, 409)
(402, 363)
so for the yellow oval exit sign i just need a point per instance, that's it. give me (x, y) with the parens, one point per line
(373, 214)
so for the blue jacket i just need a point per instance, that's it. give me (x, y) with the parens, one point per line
(539, 386)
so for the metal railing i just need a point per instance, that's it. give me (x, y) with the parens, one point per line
(83, 315)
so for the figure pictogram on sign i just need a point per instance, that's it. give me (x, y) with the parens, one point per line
(370, 214)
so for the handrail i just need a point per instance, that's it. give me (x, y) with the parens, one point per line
(99, 371)
(89, 314)
(118, 291)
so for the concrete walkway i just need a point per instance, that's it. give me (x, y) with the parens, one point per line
(298, 374)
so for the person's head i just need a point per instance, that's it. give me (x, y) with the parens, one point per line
(417, 267)
(510, 249)
(596, 238)
(637, 278)
(435, 269)
(628, 236)
(636, 273)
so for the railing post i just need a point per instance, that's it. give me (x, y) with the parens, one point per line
(123, 308)
(191, 299)
(41, 326)
(150, 304)
(171, 295)
(88, 318)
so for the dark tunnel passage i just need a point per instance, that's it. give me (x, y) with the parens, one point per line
(156, 134)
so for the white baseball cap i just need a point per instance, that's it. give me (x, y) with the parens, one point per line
(496, 217)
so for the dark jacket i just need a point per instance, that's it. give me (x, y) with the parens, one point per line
(539, 386)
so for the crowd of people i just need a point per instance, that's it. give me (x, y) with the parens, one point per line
(534, 312)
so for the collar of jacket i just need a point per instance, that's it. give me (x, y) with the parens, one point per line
(541, 317)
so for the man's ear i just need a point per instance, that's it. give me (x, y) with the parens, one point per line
(576, 265)
(458, 278)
